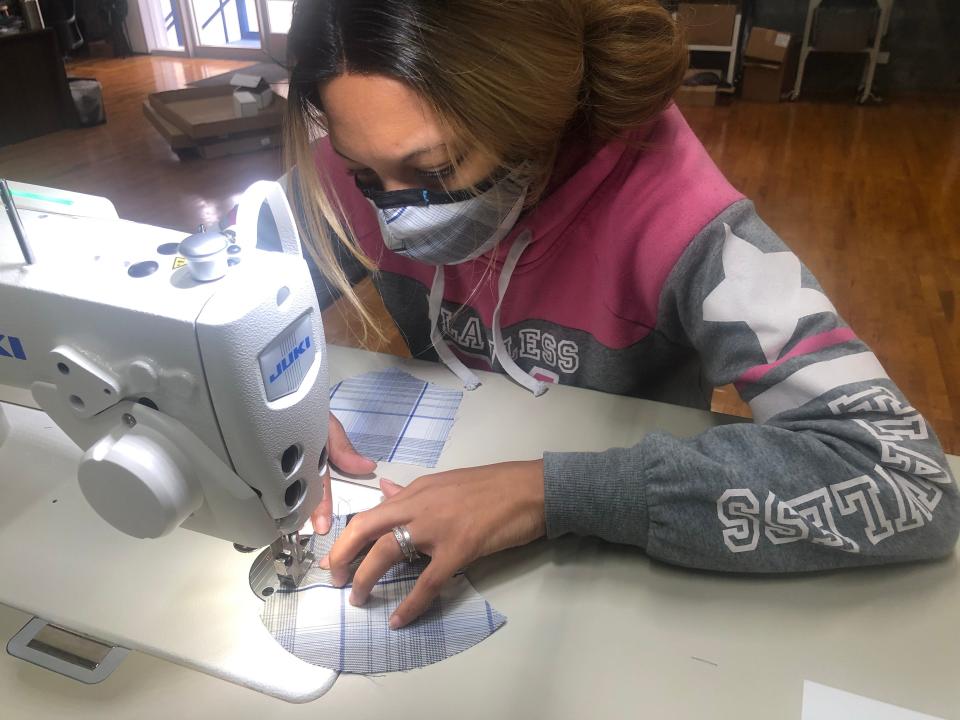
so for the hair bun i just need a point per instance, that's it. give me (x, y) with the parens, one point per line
(634, 61)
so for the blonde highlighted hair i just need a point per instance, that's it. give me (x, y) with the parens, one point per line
(510, 78)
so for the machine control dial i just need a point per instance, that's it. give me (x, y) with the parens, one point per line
(206, 255)
(139, 482)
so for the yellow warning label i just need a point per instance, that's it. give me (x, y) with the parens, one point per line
(179, 262)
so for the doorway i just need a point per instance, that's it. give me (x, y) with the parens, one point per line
(232, 29)
(225, 23)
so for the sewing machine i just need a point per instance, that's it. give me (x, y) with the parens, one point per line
(602, 625)
(192, 374)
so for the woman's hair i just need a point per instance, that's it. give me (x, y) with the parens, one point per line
(509, 78)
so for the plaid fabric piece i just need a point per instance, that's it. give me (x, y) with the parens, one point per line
(317, 623)
(391, 415)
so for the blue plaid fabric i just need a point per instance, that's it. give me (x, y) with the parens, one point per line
(317, 623)
(391, 415)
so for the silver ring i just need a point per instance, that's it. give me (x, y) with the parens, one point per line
(405, 541)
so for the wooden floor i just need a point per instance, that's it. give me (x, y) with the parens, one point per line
(868, 197)
(127, 161)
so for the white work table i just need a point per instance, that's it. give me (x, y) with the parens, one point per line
(593, 630)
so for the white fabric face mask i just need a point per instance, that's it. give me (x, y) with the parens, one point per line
(450, 228)
(447, 228)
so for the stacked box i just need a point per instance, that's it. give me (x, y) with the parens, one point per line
(202, 121)
(769, 65)
(708, 23)
(694, 92)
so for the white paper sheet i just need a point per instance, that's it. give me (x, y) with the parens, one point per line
(826, 703)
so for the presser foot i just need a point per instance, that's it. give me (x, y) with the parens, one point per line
(291, 559)
(282, 564)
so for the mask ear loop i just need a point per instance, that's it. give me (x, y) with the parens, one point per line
(467, 376)
(510, 366)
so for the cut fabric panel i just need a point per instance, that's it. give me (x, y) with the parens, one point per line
(390, 415)
(317, 623)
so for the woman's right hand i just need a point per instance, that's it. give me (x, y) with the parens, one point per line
(454, 517)
(346, 459)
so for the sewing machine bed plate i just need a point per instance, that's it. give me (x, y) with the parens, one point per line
(581, 614)
(185, 597)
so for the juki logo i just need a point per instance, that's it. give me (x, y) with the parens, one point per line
(290, 359)
(11, 347)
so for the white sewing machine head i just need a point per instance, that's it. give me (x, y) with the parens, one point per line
(191, 371)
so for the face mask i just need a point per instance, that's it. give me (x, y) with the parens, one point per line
(446, 228)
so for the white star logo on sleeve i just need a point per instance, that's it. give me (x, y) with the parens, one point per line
(762, 290)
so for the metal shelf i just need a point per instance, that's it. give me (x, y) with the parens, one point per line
(732, 49)
(872, 52)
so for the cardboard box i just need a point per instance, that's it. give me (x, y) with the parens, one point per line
(244, 104)
(708, 23)
(254, 86)
(177, 139)
(240, 145)
(699, 94)
(208, 112)
(184, 145)
(769, 65)
(768, 45)
(845, 29)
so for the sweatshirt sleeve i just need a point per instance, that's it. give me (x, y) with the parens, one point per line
(837, 468)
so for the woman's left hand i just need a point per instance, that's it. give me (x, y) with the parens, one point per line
(454, 517)
(346, 459)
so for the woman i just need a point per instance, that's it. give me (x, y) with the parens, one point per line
(534, 204)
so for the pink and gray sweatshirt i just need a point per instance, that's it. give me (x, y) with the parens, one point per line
(649, 275)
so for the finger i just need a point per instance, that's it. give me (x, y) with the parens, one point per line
(384, 553)
(389, 488)
(342, 452)
(322, 515)
(427, 587)
(360, 532)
